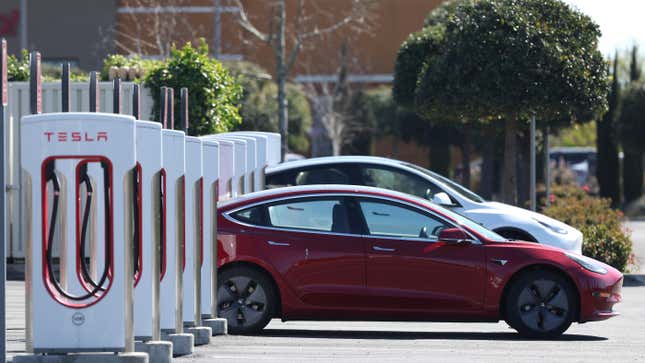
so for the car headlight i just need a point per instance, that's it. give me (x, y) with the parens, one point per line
(555, 229)
(587, 263)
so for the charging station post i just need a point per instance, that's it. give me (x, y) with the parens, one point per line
(173, 214)
(56, 150)
(208, 303)
(226, 170)
(194, 232)
(148, 237)
(3, 205)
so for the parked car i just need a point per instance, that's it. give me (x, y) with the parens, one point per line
(343, 252)
(508, 221)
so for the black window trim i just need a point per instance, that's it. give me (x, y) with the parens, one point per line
(228, 215)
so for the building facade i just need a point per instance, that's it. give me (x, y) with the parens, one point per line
(83, 32)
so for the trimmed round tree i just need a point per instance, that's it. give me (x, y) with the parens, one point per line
(214, 94)
(504, 60)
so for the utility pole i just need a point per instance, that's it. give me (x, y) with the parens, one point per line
(533, 166)
(217, 28)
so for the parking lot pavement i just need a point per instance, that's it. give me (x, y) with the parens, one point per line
(620, 339)
(638, 240)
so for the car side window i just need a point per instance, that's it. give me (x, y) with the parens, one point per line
(329, 175)
(254, 216)
(398, 181)
(326, 215)
(388, 219)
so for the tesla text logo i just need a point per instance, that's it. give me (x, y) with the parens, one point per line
(76, 136)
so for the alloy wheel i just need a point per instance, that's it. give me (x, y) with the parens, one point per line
(242, 301)
(543, 305)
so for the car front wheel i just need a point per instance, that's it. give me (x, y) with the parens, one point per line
(246, 299)
(541, 304)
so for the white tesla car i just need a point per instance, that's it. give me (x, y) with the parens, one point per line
(508, 221)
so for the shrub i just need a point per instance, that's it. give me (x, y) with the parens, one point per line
(18, 68)
(132, 68)
(214, 94)
(605, 239)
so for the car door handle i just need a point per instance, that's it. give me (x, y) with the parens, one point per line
(273, 243)
(383, 249)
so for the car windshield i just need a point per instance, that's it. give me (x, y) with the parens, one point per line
(458, 188)
(476, 227)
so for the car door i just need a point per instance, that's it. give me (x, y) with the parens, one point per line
(408, 269)
(309, 242)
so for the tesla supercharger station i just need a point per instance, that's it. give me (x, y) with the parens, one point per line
(240, 184)
(172, 215)
(210, 196)
(226, 169)
(146, 292)
(99, 318)
(250, 155)
(273, 144)
(261, 161)
(251, 160)
(194, 242)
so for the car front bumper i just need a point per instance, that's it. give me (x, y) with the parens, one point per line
(599, 294)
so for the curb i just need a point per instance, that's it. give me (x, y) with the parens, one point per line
(633, 280)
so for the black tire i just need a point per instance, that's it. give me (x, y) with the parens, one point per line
(541, 304)
(247, 308)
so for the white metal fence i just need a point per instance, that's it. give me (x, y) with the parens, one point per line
(51, 98)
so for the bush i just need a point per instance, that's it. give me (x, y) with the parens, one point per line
(131, 68)
(18, 68)
(214, 94)
(605, 239)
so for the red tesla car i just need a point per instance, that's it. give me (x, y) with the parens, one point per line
(343, 252)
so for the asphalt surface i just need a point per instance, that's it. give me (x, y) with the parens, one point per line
(621, 339)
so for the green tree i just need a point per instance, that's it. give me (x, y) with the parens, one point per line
(213, 93)
(410, 62)
(607, 170)
(505, 60)
(258, 105)
(631, 126)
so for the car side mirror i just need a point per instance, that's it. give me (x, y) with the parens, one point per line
(454, 236)
(442, 199)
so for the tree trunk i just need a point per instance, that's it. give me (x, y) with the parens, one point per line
(607, 170)
(465, 158)
(632, 176)
(488, 163)
(509, 174)
(281, 74)
(524, 170)
(440, 159)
